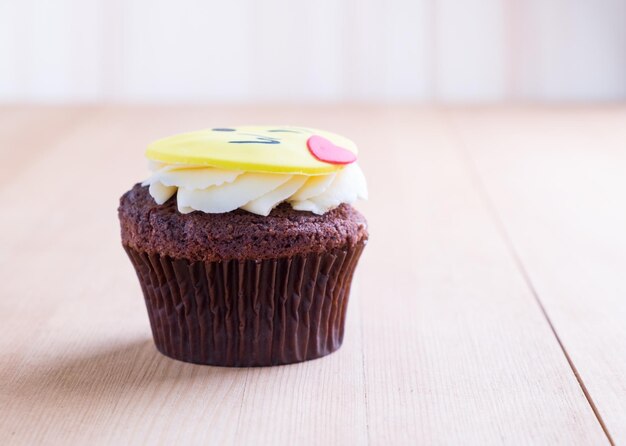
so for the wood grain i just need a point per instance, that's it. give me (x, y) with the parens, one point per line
(556, 180)
(26, 132)
(456, 349)
(446, 342)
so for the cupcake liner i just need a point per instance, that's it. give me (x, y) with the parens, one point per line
(247, 312)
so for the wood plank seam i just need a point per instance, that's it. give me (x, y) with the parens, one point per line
(363, 368)
(501, 229)
(532, 289)
(243, 398)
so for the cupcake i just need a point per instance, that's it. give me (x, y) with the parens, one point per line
(245, 243)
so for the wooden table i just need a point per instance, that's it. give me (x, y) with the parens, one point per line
(489, 306)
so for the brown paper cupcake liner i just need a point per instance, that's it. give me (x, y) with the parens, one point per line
(247, 312)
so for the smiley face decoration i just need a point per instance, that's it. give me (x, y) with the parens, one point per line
(269, 149)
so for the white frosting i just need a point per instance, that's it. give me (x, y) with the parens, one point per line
(213, 190)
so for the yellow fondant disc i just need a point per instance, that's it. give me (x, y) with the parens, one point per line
(273, 149)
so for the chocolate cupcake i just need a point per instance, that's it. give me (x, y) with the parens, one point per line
(245, 243)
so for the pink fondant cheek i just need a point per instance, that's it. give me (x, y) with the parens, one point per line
(326, 151)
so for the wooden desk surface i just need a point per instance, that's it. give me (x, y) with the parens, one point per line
(489, 306)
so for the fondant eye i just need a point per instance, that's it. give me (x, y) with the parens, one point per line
(258, 139)
(283, 131)
(223, 130)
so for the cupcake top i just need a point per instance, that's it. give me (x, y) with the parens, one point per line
(255, 169)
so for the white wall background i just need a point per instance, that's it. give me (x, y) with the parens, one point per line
(312, 51)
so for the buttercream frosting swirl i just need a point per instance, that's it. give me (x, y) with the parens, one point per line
(215, 189)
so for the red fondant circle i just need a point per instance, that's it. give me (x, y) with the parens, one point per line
(326, 151)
